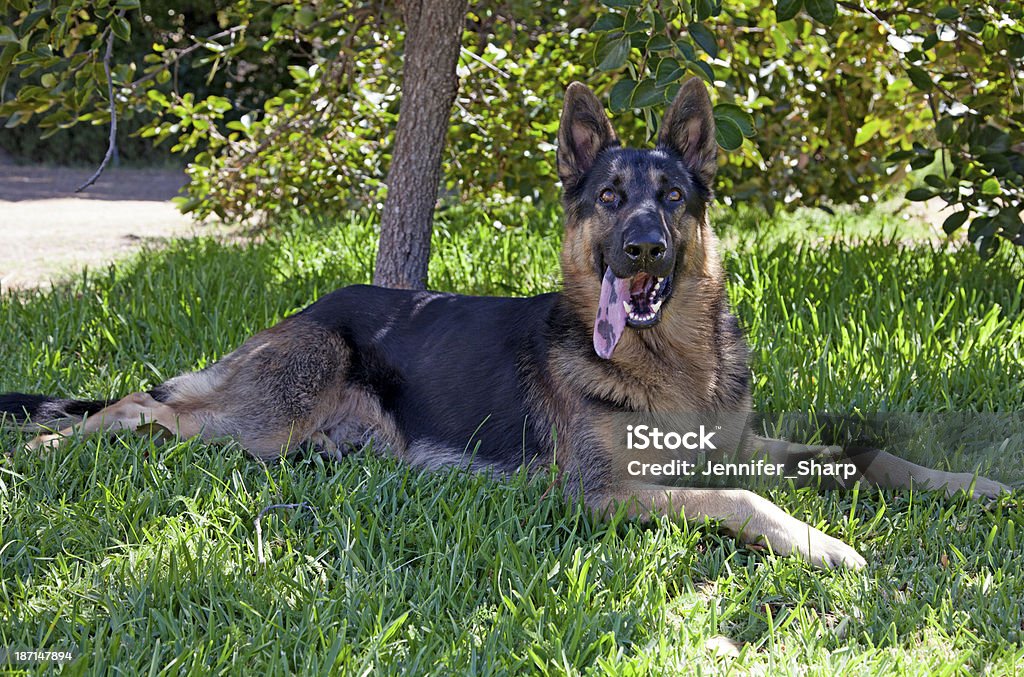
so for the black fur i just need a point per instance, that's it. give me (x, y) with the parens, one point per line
(523, 381)
(42, 410)
(434, 361)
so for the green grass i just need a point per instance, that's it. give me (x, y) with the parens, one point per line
(142, 557)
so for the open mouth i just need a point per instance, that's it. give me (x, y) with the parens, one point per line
(646, 294)
(634, 301)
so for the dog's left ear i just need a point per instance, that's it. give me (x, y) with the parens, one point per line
(584, 131)
(689, 129)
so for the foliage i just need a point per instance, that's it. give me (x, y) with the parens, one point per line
(141, 556)
(290, 105)
(840, 98)
(315, 127)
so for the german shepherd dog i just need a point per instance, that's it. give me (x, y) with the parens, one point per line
(642, 325)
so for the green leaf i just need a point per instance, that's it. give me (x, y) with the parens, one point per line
(647, 94)
(703, 36)
(920, 194)
(868, 131)
(659, 43)
(305, 17)
(620, 96)
(920, 78)
(741, 118)
(620, 4)
(954, 221)
(669, 71)
(617, 51)
(8, 36)
(659, 21)
(607, 22)
(16, 118)
(921, 161)
(787, 9)
(980, 227)
(686, 49)
(634, 23)
(281, 14)
(999, 163)
(993, 139)
(822, 10)
(1010, 220)
(988, 246)
(991, 186)
(702, 69)
(947, 14)
(944, 129)
(122, 29)
(727, 133)
(1016, 49)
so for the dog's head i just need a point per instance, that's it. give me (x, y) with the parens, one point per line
(634, 217)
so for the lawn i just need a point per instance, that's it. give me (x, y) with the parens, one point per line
(143, 559)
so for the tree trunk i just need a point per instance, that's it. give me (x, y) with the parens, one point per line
(433, 36)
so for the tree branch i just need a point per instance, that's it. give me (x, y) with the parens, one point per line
(112, 142)
(179, 54)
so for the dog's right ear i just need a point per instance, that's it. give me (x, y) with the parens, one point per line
(584, 131)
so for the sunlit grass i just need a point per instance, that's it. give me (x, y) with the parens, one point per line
(143, 557)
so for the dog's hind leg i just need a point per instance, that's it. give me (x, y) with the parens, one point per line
(877, 467)
(282, 389)
(886, 470)
(129, 413)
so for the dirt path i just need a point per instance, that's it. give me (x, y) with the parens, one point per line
(48, 232)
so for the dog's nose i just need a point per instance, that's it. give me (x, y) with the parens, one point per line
(650, 246)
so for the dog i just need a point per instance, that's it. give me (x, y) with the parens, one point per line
(641, 327)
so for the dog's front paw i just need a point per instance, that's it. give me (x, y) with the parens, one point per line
(786, 535)
(817, 547)
(822, 550)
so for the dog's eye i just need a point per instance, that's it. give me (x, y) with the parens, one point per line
(674, 195)
(608, 196)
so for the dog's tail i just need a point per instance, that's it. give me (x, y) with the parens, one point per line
(40, 411)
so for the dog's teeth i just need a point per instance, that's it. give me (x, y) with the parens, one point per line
(628, 306)
(655, 307)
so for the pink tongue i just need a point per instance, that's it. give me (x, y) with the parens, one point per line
(611, 316)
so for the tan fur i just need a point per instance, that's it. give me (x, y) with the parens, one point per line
(282, 388)
(674, 366)
(293, 384)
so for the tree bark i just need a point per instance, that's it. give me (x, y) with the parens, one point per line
(433, 36)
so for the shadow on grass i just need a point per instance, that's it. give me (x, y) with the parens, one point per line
(482, 568)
